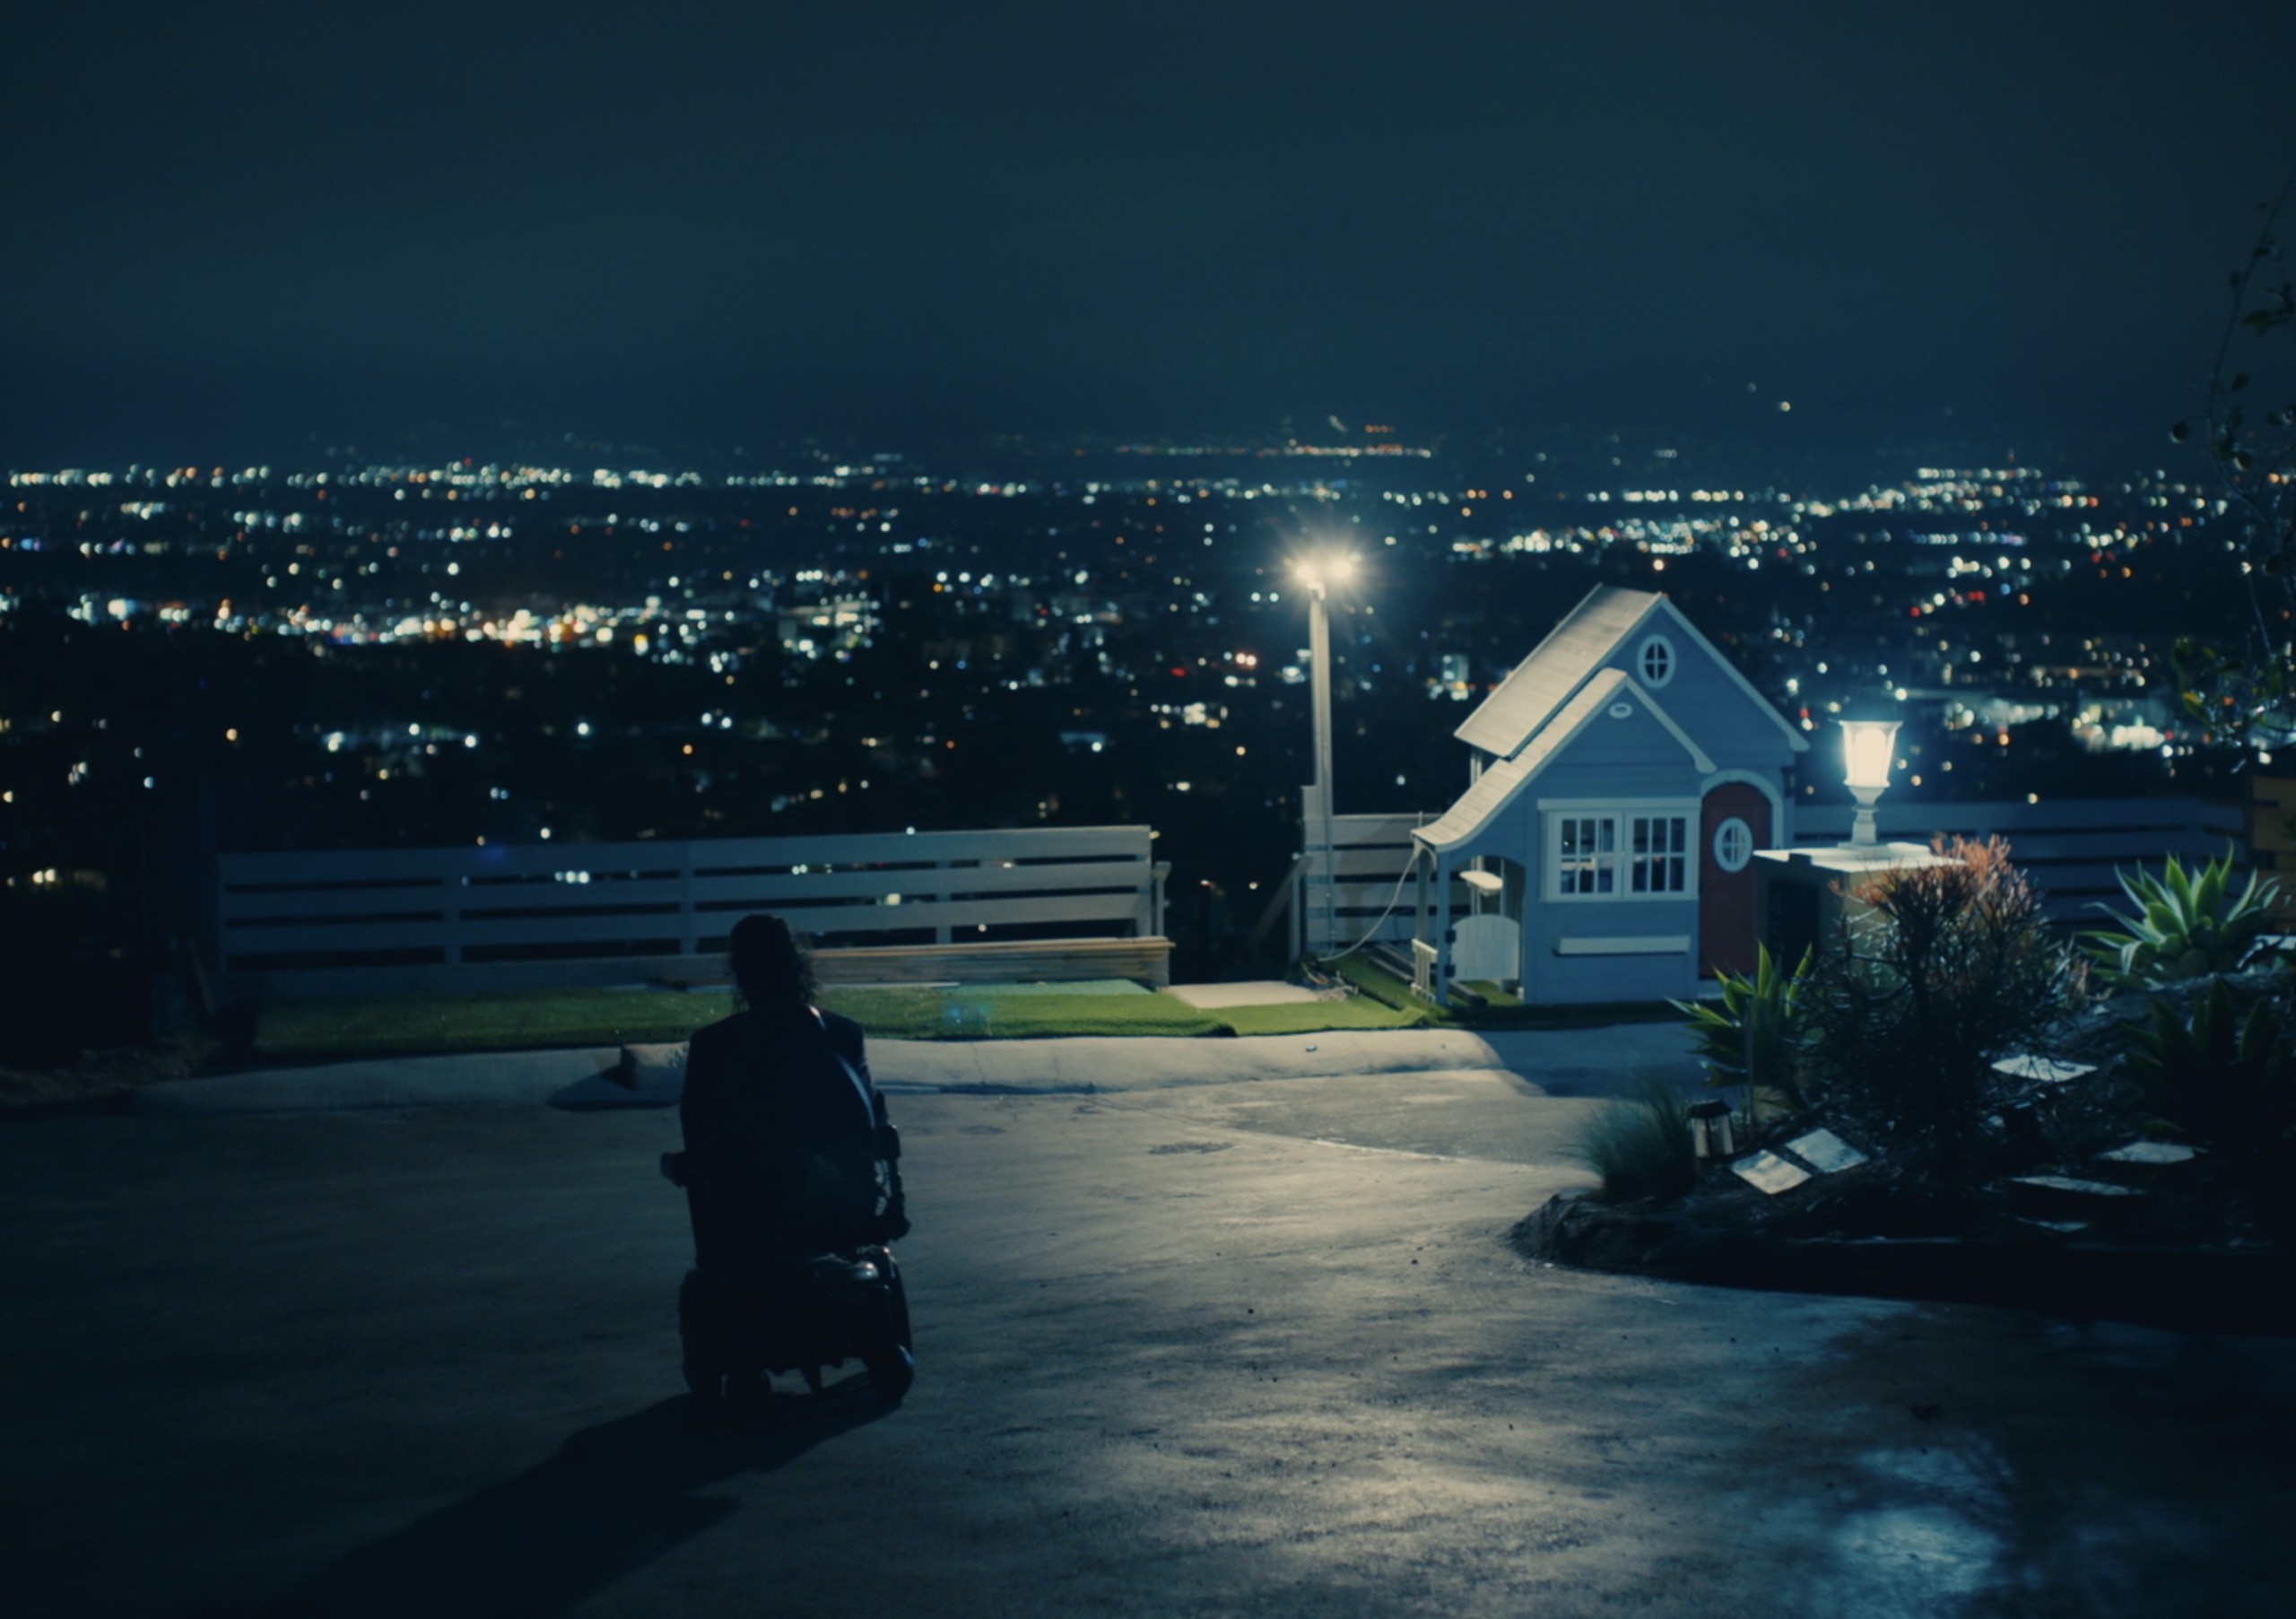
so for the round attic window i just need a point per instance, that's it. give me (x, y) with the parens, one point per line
(1656, 660)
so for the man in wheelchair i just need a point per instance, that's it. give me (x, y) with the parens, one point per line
(792, 1174)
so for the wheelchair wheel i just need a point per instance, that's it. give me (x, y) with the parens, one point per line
(891, 1365)
(892, 1371)
(698, 1332)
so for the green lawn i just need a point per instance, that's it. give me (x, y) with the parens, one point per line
(530, 1021)
(342, 1028)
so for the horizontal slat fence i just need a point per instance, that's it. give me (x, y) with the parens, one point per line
(2272, 837)
(2069, 847)
(1369, 855)
(505, 915)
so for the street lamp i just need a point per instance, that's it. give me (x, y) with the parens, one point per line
(1867, 746)
(1318, 574)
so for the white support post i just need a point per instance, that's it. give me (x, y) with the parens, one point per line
(1442, 934)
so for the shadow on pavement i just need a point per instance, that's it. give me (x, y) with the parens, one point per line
(614, 1498)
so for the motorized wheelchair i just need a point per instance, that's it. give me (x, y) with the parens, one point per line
(755, 1306)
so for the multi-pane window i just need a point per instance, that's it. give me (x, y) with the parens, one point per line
(1615, 852)
(1658, 862)
(1587, 858)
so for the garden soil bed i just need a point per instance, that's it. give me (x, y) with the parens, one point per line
(2176, 1256)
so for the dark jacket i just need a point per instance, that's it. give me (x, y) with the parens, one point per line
(783, 1138)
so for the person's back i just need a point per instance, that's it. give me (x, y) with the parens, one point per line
(780, 1120)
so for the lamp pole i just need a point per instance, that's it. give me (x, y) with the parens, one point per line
(1319, 576)
(1319, 661)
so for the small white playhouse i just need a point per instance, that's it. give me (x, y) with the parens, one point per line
(1621, 780)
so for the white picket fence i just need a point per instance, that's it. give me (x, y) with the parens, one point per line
(505, 915)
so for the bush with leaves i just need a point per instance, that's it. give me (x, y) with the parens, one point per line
(2185, 926)
(1641, 1145)
(1940, 970)
(1748, 1036)
(2222, 1079)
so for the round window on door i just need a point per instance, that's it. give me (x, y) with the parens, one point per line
(1733, 844)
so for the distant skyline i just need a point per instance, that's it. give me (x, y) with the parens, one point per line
(255, 230)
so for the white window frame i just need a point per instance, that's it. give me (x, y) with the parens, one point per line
(1671, 660)
(1619, 815)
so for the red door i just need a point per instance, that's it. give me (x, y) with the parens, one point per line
(1732, 824)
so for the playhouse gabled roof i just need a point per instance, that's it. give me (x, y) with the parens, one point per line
(1500, 780)
(1559, 666)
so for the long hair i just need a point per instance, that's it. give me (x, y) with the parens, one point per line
(770, 970)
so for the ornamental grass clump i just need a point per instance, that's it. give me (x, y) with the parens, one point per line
(1641, 1145)
(1940, 971)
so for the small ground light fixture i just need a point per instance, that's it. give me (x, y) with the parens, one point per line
(1712, 1133)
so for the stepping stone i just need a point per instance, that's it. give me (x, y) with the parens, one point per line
(2045, 1069)
(1825, 1152)
(2063, 1197)
(1766, 1171)
(2073, 1186)
(2150, 1152)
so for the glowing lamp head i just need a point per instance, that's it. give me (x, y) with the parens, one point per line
(1316, 572)
(1867, 747)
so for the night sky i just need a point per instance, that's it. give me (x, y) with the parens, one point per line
(252, 230)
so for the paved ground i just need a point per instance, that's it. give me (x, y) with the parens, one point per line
(1223, 1334)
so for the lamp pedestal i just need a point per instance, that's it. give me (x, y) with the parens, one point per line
(1862, 833)
(1802, 896)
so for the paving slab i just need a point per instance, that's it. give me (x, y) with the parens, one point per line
(1266, 992)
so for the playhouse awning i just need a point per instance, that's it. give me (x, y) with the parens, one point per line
(1511, 716)
(1503, 779)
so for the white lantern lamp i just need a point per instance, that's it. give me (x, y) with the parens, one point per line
(1867, 747)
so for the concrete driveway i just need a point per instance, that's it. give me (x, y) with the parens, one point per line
(1225, 1338)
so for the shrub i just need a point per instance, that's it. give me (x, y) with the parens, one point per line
(2225, 1081)
(1750, 1036)
(1949, 968)
(2184, 925)
(1641, 1145)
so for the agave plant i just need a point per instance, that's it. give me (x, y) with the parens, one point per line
(2225, 1081)
(1750, 1037)
(2185, 926)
